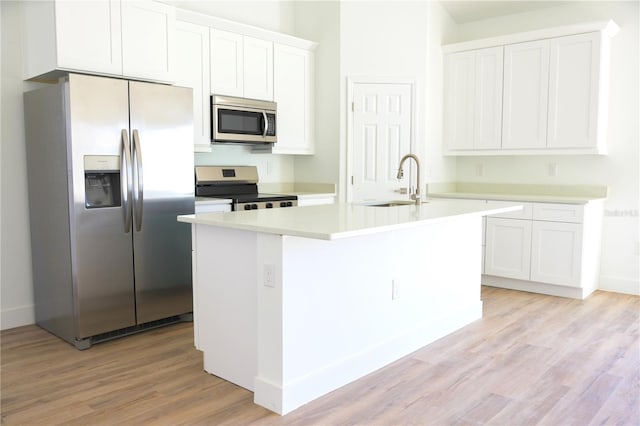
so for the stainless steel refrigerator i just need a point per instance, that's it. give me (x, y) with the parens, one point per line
(110, 166)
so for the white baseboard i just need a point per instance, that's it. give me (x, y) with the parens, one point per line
(17, 317)
(619, 285)
(286, 398)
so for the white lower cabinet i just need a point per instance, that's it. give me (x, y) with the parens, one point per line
(556, 253)
(553, 249)
(508, 248)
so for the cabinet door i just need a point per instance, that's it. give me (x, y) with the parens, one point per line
(92, 43)
(293, 92)
(460, 100)
(573, 91)
(258, 68)
(508, 248)
(526, 87)
(148, 31)
(227, 63)
(556, 253)
(192, 70)
(488, 99)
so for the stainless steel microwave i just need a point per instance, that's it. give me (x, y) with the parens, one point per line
(241, 120)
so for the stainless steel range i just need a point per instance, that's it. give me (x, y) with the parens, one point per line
(239, 183)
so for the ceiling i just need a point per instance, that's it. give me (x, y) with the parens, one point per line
(468, 11)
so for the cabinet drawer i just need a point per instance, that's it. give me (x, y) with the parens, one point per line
(572, 213)
(525, 213)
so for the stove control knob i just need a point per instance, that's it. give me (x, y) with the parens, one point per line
(247, 206)
(289, 204)
(254, 207)
(269, 205)
(283, 204)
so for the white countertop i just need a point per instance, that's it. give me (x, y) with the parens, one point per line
(333, 221)
(536, 193)
(533, 198)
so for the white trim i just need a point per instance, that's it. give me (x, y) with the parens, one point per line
(351, 82)
(609, 29)
(619, 285)
(244, 29)
(17, 317)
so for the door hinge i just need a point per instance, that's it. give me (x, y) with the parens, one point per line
(351, 180)
(353, 106)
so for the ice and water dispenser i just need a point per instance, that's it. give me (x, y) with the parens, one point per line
(101, 181)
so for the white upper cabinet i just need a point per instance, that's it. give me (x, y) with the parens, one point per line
(105, 37)
(241, 65)
(459, 100)
(474, 99)
(526, 88)
(258, 68)
(554, 86)
(227, 63)
(574, 91)
(92, 43)
(148, 31)
(192, 70)
(293, 92)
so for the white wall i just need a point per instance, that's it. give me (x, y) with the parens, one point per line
(399, 39)
(16, 290)
(620, 169)
(320, 21)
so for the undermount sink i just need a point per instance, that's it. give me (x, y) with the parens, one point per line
(393, 203)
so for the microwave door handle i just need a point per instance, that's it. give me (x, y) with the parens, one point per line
(138, 194)
(126, 180)
(265, 127)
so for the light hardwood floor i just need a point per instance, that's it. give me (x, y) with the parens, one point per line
(532, 359)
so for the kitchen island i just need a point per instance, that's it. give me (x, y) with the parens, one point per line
(294, 303)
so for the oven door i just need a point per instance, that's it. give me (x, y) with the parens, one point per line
(242, 124)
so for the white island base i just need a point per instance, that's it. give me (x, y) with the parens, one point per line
(292, 318)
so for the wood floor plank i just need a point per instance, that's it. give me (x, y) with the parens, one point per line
(532, 359)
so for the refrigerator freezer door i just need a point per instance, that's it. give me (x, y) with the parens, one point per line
(101, 249)
(161, 120)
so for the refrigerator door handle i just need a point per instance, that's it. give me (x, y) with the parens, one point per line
(138, 195)
(126, 180)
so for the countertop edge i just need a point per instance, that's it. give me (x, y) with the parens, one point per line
(517, 197)
(201, 219)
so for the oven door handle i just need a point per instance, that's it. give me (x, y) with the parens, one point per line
(265, 127)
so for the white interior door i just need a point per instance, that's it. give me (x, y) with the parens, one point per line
(381, 136)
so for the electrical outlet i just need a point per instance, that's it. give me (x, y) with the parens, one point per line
(479, 169)
(269, 168)
(552, 169)
(395, 290)
(269, 272)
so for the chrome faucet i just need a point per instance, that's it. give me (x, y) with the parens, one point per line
(416, 195)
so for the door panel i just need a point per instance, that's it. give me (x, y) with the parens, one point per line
(526, 89)
(101, 248)
(161, 116)
(508, 248)
(381, 135)
(556, 253)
